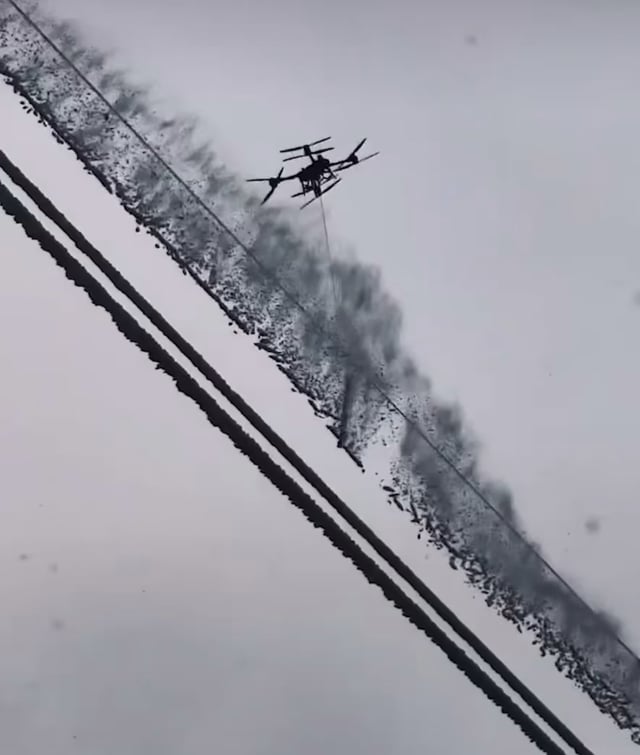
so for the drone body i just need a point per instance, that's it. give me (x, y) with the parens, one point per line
(319, 175)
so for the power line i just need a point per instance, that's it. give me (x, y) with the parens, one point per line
(317, 325)
(185, 383)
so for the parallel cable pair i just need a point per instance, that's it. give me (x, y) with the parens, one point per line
(185, 383)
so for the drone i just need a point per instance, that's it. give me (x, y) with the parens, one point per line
(319, 176)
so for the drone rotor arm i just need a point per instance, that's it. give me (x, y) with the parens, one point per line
(346, 164)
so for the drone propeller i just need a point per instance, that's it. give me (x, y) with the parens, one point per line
(273, 183)
(358, 147)
(352, 158)
(312, 152)
(302, 146)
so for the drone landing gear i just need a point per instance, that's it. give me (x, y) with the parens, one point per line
(320, 193)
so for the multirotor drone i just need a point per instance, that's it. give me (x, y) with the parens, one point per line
(319, 176)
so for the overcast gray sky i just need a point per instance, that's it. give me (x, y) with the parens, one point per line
(506, 188)
(503, 210)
